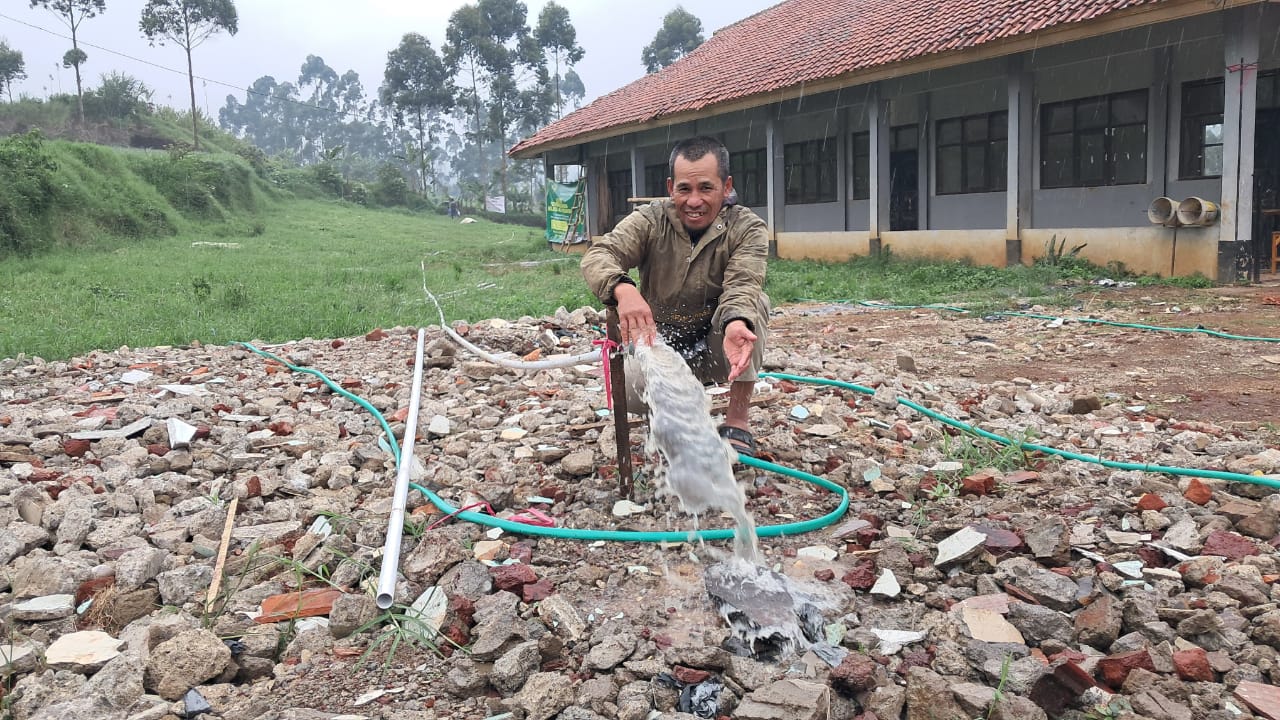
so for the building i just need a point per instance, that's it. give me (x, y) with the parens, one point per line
(974, 129)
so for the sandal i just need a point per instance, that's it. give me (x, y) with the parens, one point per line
(740, 440)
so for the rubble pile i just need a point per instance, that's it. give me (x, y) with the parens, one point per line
(195, 532)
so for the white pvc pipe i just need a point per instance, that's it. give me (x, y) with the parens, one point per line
(400, 497)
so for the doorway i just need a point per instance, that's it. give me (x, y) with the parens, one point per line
(904, 176)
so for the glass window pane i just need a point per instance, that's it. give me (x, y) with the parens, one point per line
(1213, 134)
(1269, 90)
(1059, 117)
(948, 132)
(1201, 98)
(1091, 113)
(1213, 160)
(975, 168)
(975, 129)
(999, 125)
(1129, 108)
(1092, 160)
(949, 169)
(1129, 147)
(997, 165)
(904, 138)
(1056, 167)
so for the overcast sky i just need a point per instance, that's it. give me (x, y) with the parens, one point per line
(277, 35)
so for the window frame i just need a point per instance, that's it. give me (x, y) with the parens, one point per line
(1106, 132)
(860, 149)
(1192, 148)
(659, 189)
(810, 171)
(993, 146)
(618, 193)
(750, 172)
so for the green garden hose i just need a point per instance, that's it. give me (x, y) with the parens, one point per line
(794, 528)
(1114, 464)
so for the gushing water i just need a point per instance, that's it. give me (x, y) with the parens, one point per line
(699, 463)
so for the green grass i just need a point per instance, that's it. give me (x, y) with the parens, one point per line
(318, 269)
(315, 268)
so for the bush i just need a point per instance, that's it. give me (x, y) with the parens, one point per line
(389, 189)
(120, 97)
(27, 192)
(526, 219)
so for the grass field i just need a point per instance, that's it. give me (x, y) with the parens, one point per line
(328, 269)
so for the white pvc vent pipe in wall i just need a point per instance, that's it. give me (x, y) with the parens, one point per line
(1163, 211)
(1197, 211)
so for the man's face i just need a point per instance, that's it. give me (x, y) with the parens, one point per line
(697, 191)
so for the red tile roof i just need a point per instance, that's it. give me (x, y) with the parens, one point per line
(805, 41)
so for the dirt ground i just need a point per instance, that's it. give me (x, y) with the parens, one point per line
(1188, 376)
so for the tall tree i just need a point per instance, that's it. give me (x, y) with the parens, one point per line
(12, 67)
(680, 33)
(72, 13)
(417, 88)
(187, 24)
(573, 89)
(557, 36)
(490, 44)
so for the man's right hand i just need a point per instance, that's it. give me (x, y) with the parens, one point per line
(635, 318)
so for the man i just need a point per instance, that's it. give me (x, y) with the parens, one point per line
(702, 265)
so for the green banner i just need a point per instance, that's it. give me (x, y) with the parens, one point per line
(566, 203)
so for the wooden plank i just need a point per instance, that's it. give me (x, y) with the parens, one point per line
(221, 562)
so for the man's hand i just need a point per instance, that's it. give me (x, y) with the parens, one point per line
(635, 318)
(739, 341)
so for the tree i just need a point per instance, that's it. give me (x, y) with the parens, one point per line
(573, 89)
(187, 24)
(417, 88)
(680, 33)
(72, 13)
(12, 67)
(557, 36)
(490, 44)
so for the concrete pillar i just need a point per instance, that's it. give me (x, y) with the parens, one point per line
(1235, 239)
(878, 108)
(1020, 181)
(844, 164)
(1158, 121)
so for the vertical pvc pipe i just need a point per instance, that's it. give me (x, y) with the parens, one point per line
(395, 523)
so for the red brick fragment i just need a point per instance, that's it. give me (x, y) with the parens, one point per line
(512, 577)
(688, 675)
(75, 448)
(862, 576)
(1197, 492)
(1229, 545)
(825, 574)
(376, 334)
(1151, 501)
(1113, 669)
(535, 591)
(1193, 665)
(978, 485)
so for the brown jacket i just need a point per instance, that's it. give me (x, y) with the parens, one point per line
(685, 283)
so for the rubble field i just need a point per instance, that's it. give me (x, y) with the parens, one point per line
(195, 532)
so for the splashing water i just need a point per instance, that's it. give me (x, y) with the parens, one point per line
(699, 463)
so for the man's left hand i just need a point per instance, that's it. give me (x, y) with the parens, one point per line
(739, 341)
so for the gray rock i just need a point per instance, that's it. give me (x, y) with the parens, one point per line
(76, 524)
(1247, 592)
(49, 607)
(1047, 539)
(1016, 707)
(563, 619)
(790, 699)
(434, 554)
(929, 696)
(137, 567)
(350, 611)
(635, 700)
(185, 584)
(465, 678)
(39, 576)
(119, 683)
(974, 699)
(1157, 705)
(543, 696)
(82, 652)
(1050, 588)
(468, 579)
(1038, 623)
(599, 695)
(178, 664)
(514, 667)
(18, 657)
(610, 652)
(20, 538)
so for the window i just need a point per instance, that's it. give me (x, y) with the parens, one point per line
(860, 181)
(1200, 154)
(903, 138)
(1094, 141)
(811, 171)
(750, 171)
(973, 154)
(619, 190)
(655, 180)
(1269, 90)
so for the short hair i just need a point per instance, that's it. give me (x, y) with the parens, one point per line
(693, 149)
